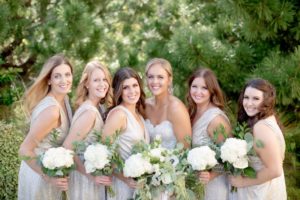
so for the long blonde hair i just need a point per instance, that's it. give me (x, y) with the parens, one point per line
(82, 91)
(40, 88)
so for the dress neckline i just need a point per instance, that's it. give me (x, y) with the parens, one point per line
(160, 124)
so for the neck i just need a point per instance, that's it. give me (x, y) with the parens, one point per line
(130, 107)
(94, 100)
(161, 100)
(58, 97)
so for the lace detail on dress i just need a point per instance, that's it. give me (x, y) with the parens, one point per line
(165, 130)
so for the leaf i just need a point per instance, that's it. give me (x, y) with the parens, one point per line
(259, 143)
(249, 172)
(248, 137)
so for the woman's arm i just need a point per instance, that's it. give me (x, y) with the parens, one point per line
(269, 154)
(115, 122)
(46, 121)
(179, 117)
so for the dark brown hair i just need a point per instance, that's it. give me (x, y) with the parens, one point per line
(267, 106)
(117, 85)
(216, 95)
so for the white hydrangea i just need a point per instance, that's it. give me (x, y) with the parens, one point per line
(201, 158)
(234, 151)
(57, 158)
(136, 165)
(96, 157)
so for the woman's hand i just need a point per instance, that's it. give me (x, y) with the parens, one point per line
(204, 177)
(61, 183)
(131, 183)
(236, 181)
(104, 180)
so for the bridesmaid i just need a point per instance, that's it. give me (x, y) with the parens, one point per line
(205, 104)
(166, 115)
(48, 104)
(256, 108)
(126, 117)
(93, 90)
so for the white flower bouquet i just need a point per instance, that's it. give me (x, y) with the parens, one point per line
(235, 152)
(57, 162)
(102, 159)
(157, 169)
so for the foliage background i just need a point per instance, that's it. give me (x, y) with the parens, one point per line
(238, 39)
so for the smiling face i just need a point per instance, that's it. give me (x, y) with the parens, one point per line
(252, 100)
(158, 79)
(97, 84)
(199, 91)
(131, 91)
(61, 79)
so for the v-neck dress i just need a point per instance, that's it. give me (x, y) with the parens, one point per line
(127, 139)
(31, 185)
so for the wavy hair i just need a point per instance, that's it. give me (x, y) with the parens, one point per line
(267, 106)
(117, 84)
(40, 88)
(82, 92)
(216, 94)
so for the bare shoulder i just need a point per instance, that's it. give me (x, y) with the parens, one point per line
(51, 113)
(219, 120)
(176, 106)
(262, 131)
(116, 114)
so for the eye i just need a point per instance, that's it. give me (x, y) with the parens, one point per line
(160, 77)
(193, 86)
(204, 87)
(150, 76)
(68, 74)
(256, 98)
(246, 97)
(135, 85)
(125, 87)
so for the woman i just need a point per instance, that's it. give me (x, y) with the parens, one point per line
(206, 104)
(126, 117)
(93, 90)
(256, 108)
(47, 102)
(166, 114)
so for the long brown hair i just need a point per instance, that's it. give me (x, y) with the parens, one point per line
(82, 91)
(216, 95)
(117, 84)
(267, 106)
(40, 88)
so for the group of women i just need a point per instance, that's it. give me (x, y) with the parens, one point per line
(136, 119)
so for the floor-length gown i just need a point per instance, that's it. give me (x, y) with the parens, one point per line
(169, 141)
(31, 185)
(127, 139)
(274, 189)
(218, 187)
(80, 186)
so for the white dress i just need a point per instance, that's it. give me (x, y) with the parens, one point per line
(31, 185)
(218, 188)
(274, 189)
(127, 139)
(80, 187)
(169, 141)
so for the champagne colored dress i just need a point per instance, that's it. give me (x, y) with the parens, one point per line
(274, 189)
(127, 139)
(218, 188)
(31, 185)
(80, 186)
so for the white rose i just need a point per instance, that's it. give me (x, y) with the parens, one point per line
(201, 158)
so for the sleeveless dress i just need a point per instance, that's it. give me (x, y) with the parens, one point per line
(31, 185)
(218, 188)
(169, 141)
(80, 186)
(274, 189)
(127, 139)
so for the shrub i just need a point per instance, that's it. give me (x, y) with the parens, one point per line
(10, 140)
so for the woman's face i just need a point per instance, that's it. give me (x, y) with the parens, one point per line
(252, 101)
(61, 79)
(97, 84)
(158, 80)
(199, 91)
(131, 91)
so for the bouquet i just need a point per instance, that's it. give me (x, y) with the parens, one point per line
(157, 169)
(57, 162)
(201, 158)
(102, 159)
(235, 152)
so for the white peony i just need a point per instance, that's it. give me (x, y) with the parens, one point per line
(96, 157)
(234, 151)
(58, 158)
(201, 158)
(136, 165)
